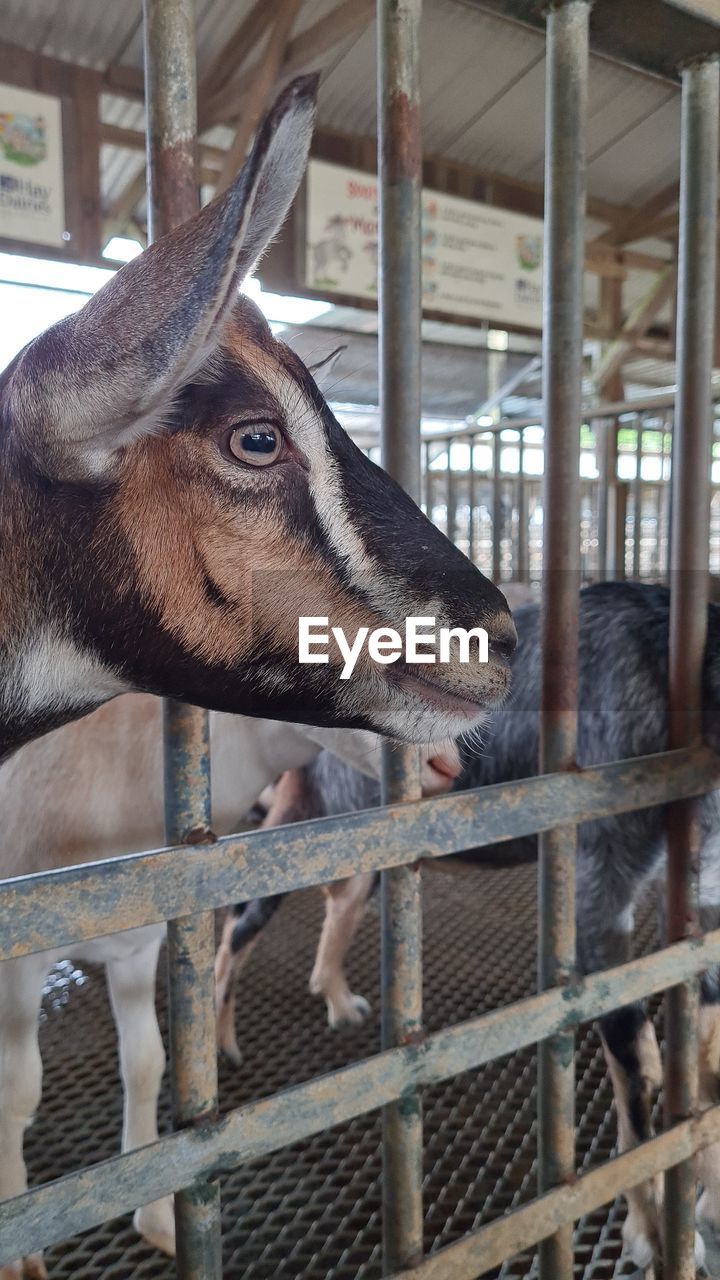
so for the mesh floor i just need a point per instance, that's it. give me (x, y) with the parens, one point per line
(313, 1210)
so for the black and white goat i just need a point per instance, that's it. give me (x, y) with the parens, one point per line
(175, 494)
(622, 713)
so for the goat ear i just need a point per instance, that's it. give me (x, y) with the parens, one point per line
(323, 369)
(109, 373)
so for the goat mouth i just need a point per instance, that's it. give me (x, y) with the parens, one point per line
(439, 696)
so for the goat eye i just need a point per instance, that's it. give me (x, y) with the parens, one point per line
(257, 445)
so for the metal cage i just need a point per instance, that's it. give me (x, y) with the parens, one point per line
(185, 883)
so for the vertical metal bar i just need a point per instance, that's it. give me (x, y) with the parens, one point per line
(450, 496)
(669, 502)
(689, 593)
(497, 510)
(566, 100)
(172, 191)
(400, 177)
(522, 574)
(472, 499)
(637, 499)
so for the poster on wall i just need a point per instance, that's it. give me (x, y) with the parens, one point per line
(477, 261)
(32, 197)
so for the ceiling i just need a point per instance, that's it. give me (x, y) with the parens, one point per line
(482, 87)
(482, 80)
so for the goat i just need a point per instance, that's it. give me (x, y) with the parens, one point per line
(94, 789)
(176, 494)
(623, 713)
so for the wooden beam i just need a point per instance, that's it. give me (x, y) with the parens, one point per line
(262, 78)
(634, 225)
(611, 301)
(614, 264)
(123, 206)
(125, 82)
(237, 48)
(234, 55)
(228, 101)
(635, 326)
(133, 140)
(347, 19)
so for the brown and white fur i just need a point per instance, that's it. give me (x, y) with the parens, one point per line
(175, 493)
(94, 789)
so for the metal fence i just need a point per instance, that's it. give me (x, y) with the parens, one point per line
(483, 486)
(185, 883)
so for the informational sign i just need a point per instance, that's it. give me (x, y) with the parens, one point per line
(32, 198)
(477, 261)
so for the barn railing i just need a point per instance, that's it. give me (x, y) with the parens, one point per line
(184, 883)
(483, 486)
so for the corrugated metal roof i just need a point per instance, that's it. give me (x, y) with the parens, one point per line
(482, 82)
(482, 86)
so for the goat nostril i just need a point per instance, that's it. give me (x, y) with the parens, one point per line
(503, 641)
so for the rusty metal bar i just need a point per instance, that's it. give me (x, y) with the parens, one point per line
(400, 315)
(171, 96)
(52, 909)
(81, 1200)
(519, 1229)
(566, 106)
(688, 610)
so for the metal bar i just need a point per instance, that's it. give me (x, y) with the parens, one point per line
(82, 1200)
(655, 35)
(637, 500)
(56, 908)
(497, 510)
(619, 531)
(400, 316)
(688, 603)
(518, 1230)
(522, 573)
(566, 107)
(611, 409)
(171, 96)
(472, 500)
(450, 495)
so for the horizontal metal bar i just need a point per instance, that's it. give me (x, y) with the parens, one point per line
(592, 411)
(521, 1228)
(82, 1200)
(56, 908)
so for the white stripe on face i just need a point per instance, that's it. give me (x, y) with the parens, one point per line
(386, 592)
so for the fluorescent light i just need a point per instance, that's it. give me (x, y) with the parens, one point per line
(122, 249)
(497, 340)
(68, 276)
(283, 309)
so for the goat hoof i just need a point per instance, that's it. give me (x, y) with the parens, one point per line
(708, 1214)
(156, 1223)
(640, 1249)
(30, 1268)
(351, 1011)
